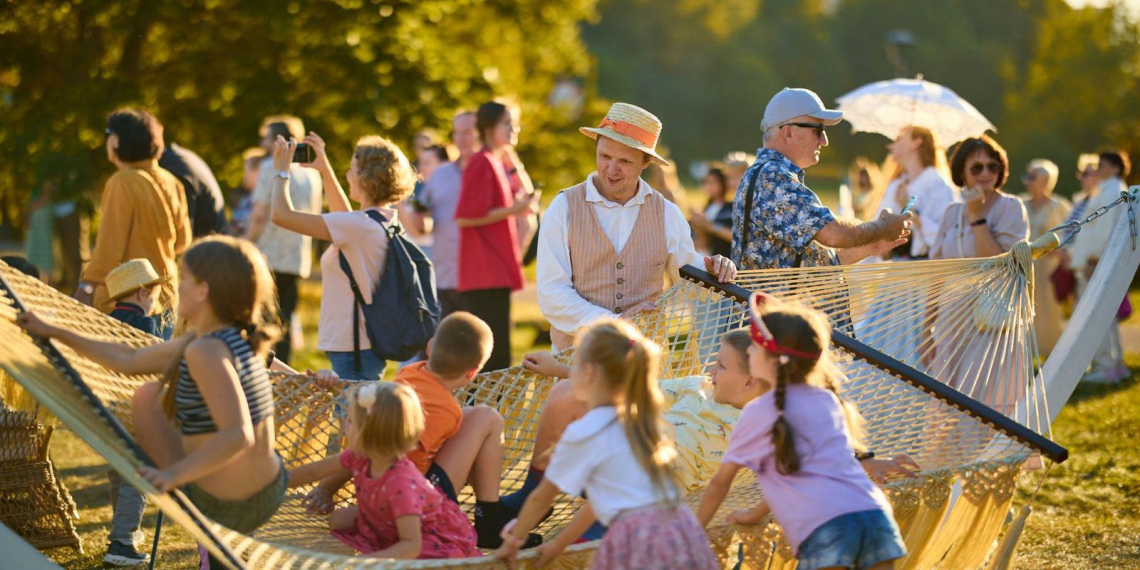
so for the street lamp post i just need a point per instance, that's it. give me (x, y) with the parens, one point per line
(897, 44)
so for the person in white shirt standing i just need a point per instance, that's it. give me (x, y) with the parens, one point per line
(289, 254)
(923, 175)
(1084, 253)
(606, 244)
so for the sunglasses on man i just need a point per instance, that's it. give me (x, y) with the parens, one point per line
(817, 127)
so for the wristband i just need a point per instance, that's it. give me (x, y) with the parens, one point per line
(979, 222)
(864, 456)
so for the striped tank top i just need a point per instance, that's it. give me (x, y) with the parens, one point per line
(191, 409)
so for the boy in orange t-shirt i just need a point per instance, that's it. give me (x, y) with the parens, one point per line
(458, 444)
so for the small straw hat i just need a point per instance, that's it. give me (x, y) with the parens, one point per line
(130, 277)
(632, 126)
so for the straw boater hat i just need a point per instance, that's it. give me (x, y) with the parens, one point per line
(632, 126)
(130, 277)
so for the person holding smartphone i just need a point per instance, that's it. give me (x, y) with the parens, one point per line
(289, 253)
(988, 223)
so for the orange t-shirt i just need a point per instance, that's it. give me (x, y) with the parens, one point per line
(442, 413)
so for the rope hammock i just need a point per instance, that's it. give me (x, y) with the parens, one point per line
(954, 438)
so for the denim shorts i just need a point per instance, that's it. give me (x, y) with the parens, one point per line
(344, 364)
(855, 540)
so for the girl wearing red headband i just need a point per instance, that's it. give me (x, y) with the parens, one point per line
(801, 440)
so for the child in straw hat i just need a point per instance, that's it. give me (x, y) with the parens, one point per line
(131, 288)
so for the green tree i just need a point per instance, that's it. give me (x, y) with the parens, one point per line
(212, 69)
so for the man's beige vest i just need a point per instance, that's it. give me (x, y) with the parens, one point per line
(611, 280)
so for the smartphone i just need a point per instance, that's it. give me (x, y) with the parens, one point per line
(304, 154)
(909, 203)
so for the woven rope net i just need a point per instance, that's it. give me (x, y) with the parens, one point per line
(953, 444)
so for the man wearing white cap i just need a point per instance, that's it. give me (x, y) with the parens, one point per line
(777, 220)
(606, 244)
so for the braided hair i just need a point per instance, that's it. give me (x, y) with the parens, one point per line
(804, 330)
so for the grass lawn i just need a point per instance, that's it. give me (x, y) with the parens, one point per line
(1086, 516)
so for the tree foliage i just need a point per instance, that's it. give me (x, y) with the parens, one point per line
(212, 69)
(1055, 80)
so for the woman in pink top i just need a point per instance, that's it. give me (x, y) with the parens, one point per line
(489, 260)
(378, 176)
(831, 512)
(398, 513)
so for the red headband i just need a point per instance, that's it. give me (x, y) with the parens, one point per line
(630, 130)
(763, 337)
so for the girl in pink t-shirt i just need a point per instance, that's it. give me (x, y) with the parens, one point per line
(801, 441)
(398, 513)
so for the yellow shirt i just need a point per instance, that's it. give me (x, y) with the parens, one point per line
(143, 213)
(701, 428)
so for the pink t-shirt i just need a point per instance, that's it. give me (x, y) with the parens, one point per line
(365, 244)
(830, 481)
(403, 490)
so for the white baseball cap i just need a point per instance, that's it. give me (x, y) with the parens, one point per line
(794, 102)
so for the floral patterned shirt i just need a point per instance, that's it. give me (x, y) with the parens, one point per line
(785, 214)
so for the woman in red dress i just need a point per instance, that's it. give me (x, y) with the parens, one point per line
(489, 257)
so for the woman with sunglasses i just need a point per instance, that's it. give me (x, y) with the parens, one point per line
(987, 224)
(990, 221)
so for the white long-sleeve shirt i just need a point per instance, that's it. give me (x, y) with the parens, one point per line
(933, 196)
(1090, 243)
(560, 303)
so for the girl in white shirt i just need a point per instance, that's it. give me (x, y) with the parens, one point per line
(620, 456)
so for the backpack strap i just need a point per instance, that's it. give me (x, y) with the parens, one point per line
(392, 229)
(744, 233)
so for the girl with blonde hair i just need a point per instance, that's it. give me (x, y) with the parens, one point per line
(398, 512)
(620, 456)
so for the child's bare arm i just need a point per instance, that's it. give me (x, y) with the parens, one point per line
(578, 525)
(715, 492)
(545, 364)
(410, 543)
(326, 468)
(535, 506)
(752, 515)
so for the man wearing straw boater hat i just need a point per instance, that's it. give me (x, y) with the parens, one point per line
(606, 244)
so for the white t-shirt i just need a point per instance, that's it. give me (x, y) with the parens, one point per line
(286, 251)
(594, 455)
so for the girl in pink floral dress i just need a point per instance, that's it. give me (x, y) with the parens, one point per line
(398, 513)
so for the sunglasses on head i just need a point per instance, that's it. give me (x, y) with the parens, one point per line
(762, 336)
(978, 167)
